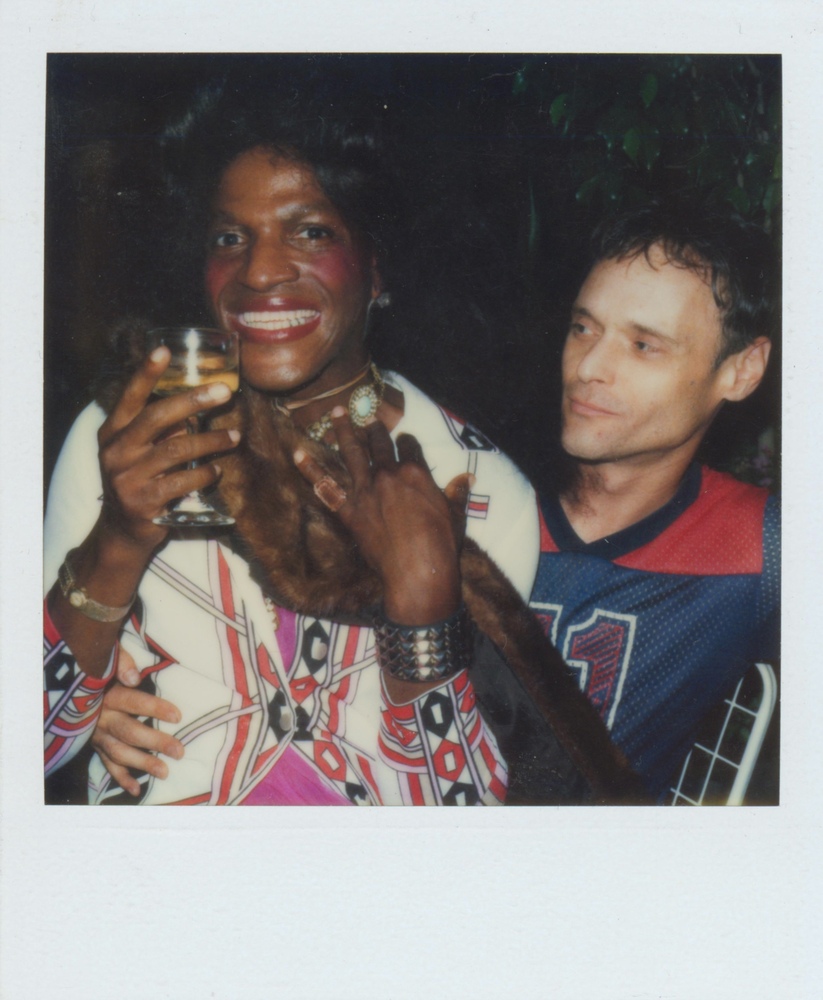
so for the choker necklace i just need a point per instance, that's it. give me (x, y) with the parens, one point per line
(363, 403)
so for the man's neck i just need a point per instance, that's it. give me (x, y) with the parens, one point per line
(609, 497)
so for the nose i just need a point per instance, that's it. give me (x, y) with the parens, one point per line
(268, 263)
(596, 361)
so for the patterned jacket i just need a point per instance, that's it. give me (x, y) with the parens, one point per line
(277, 706)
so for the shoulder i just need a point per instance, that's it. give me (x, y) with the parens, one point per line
(451, 444)
(720, 533)
(502, 508)
(428, 420)
(726, 506)
(79, 450)
(79, 455)
(87, 424)
(723, 489)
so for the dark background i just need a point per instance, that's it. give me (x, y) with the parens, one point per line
(505, 165)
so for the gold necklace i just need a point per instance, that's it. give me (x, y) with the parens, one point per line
(290, 405)
(363, 403)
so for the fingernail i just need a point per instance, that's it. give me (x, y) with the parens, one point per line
(234, 436)
(299, 455)
(175, 715)
(160, 770)
(338, 411)
(158, 354)
(132, 677)
(218, 390)
(217, 469)
(372, 419)
(177, 752)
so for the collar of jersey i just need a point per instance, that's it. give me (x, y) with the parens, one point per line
(631, 538)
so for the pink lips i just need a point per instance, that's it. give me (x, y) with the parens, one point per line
(282, 321)
(588, 409)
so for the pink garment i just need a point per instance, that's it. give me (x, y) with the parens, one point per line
(293, 782)
(286, 635)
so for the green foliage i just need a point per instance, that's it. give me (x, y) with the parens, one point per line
(632, 126)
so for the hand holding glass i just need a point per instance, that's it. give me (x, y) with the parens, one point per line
(199, 356)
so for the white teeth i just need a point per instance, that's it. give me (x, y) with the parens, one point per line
(277, 320)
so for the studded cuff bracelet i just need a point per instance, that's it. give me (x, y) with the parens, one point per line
(425, 653)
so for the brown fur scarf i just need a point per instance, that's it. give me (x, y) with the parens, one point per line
(312, 565)
(306, 560)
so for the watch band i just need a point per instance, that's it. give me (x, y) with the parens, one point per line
(80, 600)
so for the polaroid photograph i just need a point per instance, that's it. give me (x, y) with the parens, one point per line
(415, 420)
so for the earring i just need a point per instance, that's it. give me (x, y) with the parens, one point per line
(383, 300)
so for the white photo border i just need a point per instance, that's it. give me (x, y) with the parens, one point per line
(616, 903)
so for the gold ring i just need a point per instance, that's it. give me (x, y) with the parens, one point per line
(330, 493)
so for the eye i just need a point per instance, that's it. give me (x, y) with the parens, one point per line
(316, 232)
(225, 239)
(645, 347)
(578, 329)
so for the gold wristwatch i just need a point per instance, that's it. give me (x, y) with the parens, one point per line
(80, 600)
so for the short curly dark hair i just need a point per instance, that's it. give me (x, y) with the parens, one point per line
(738, 257)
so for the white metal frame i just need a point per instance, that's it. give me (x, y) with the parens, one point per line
(745, 766)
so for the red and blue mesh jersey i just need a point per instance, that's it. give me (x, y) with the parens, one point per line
(662, 619)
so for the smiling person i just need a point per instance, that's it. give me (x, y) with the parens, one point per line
(659, 577)
(319, 651)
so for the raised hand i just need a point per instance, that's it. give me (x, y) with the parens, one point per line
(408, 530)
(143, 452)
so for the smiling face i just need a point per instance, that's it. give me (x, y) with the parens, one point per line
(286, 272)
(640, 383)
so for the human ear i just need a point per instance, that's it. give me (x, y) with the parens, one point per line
(745, 370)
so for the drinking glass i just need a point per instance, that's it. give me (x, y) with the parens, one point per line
(199, 356)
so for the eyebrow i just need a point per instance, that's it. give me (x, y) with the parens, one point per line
(307, 208)
(293, 211)
(578, 310)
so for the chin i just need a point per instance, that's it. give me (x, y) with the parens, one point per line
(276, 385)
(267, 375)
(578, 446)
